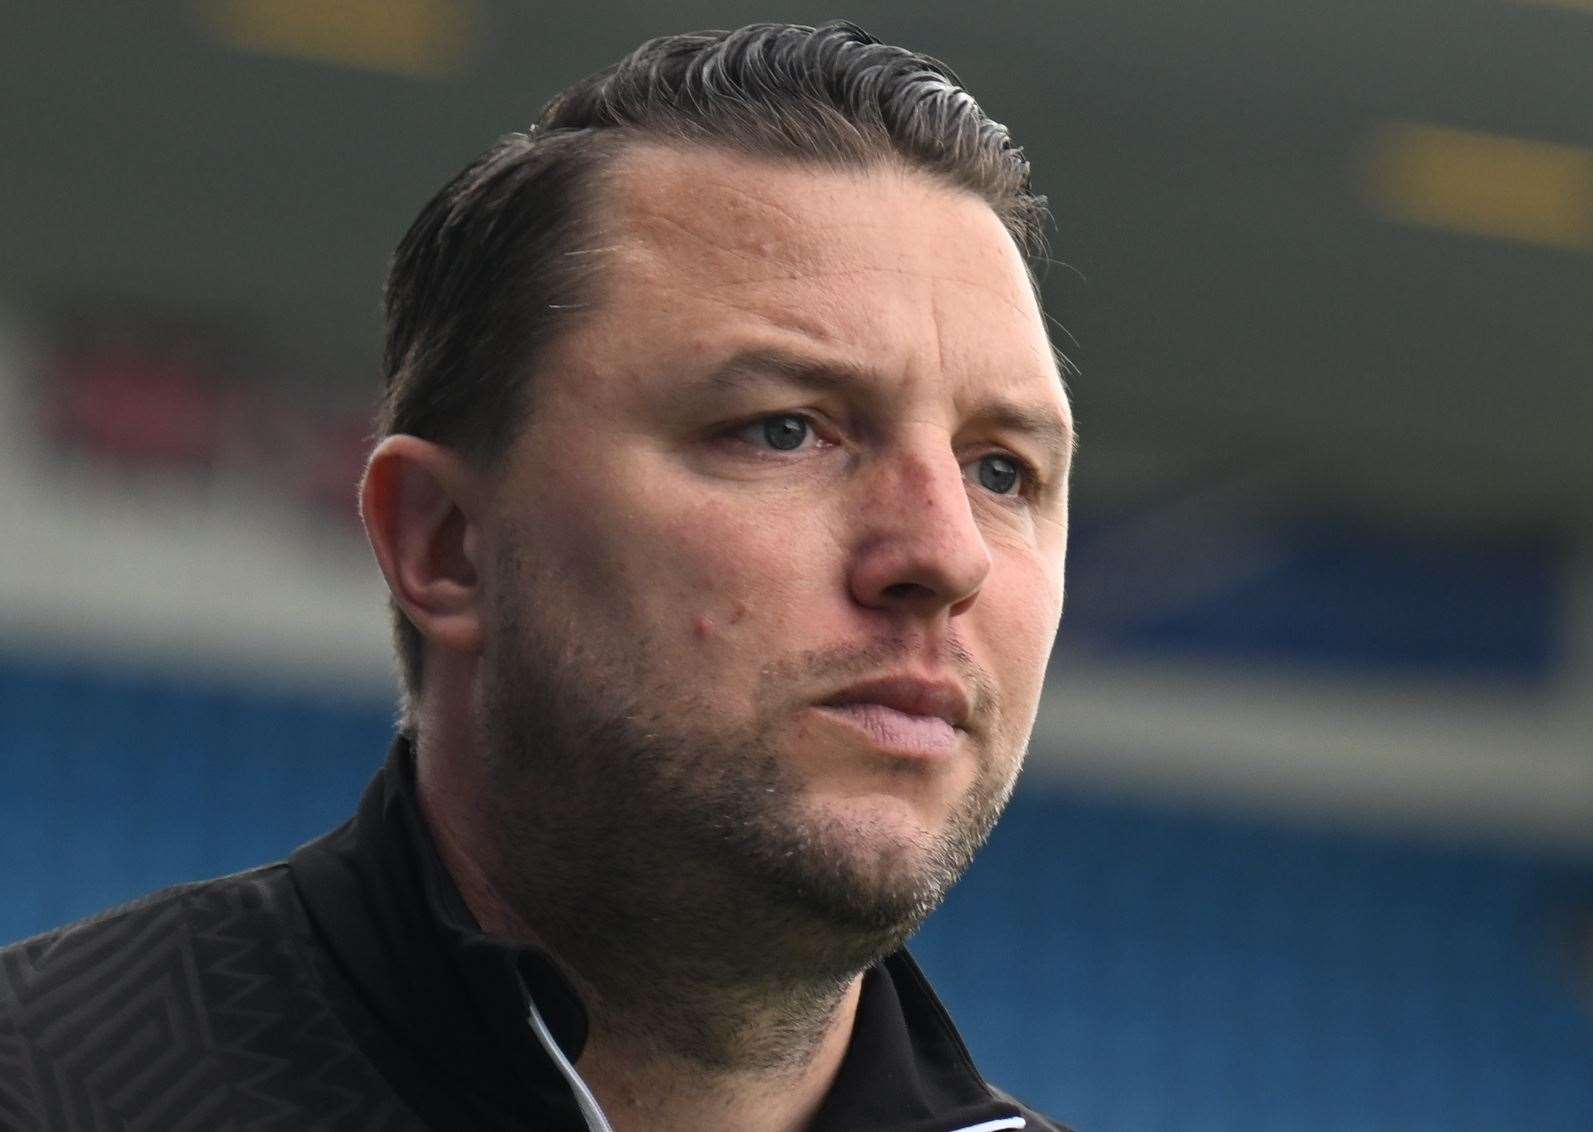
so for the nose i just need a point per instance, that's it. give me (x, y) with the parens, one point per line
(919, 549)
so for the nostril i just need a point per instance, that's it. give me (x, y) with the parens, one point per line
(905, 591)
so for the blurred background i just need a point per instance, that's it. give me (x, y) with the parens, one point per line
(1307, 835)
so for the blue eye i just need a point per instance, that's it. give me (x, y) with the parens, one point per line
(999, 474)
(785, 432)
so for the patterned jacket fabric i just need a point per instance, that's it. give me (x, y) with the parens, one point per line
(349, 988)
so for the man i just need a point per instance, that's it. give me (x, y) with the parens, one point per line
(722, 496)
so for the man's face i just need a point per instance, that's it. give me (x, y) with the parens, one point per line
(779, 558)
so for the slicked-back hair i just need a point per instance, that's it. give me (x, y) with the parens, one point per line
(490, 270)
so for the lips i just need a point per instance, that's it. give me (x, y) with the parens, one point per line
(905, 716)
(935, 699)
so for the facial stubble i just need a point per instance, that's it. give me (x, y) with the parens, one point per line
(668, 854)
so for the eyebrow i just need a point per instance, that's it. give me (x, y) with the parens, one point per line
(762, 366)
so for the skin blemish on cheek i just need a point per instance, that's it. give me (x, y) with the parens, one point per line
(705, 627)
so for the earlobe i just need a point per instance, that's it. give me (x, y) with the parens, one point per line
(419, 502)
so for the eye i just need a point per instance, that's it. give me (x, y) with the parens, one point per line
(783, 432)
(1000, 474)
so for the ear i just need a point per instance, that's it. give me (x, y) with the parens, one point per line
(421, 504)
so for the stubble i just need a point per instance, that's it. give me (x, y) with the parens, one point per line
(671, 858)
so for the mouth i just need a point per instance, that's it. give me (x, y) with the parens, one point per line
(903, 716)
(896, 732)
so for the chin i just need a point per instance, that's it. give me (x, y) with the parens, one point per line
(871, 863)
(888, 827)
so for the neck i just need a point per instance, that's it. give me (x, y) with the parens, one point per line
(693, 1024)
(645, 1085)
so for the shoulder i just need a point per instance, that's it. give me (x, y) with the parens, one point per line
(202, 997)
(153, 938)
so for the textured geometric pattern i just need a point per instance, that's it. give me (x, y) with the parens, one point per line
(194, 1009)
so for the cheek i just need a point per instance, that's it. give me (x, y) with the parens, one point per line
(732, 575)
(1024, 606)
(637, 540)
(699, 571)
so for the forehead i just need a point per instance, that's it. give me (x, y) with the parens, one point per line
(887, 264)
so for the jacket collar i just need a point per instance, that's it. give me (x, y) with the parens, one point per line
(450, 1029)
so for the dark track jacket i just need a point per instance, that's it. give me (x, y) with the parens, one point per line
(348, 987)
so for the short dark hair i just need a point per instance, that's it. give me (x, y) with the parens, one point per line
(484, 279)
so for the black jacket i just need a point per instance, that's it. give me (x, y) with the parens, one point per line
(349, 988)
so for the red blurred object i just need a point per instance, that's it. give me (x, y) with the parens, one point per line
(335, 464)
(127, 401)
